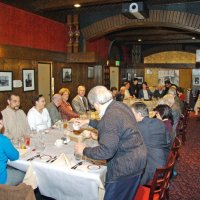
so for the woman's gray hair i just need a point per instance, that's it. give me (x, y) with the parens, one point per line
(99, 94)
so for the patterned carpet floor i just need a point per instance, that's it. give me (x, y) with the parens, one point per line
(186, 186)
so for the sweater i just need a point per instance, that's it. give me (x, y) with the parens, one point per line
(7, 151)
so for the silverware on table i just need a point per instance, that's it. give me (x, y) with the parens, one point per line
(52, 160)
(32, 158)
(78, 164)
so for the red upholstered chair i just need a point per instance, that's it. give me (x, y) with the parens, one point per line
(160, 183)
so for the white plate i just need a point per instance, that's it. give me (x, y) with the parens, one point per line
(45, 157)
(93, 167)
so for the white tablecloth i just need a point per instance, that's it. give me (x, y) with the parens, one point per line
(63, 183)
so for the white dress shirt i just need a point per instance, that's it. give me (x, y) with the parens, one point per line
(38, 120)
(146, 96)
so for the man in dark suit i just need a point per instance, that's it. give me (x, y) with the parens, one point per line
(134, 89)
(120, 143)
(155, 137)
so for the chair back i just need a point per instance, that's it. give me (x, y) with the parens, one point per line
(176, 145)
(160, 182)
(21, 191)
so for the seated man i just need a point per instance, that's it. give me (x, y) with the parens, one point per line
(155, 137)
(159, 92)
(14, 119)
(80, 103)
(52, 108)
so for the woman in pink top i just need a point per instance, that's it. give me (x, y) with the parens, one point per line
(65, 108)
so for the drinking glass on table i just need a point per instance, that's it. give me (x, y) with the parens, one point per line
(27, 140)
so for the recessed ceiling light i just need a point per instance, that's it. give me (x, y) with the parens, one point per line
(139, 40)
(193, 38)
(77, 5)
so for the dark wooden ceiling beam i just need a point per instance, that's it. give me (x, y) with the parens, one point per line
(155, 42)
(64, 4)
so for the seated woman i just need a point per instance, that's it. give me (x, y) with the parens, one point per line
(65, 108)
(145, 93)
(164, 113)
(38, 116)
(8, 175)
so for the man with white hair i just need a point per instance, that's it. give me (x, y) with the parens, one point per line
(52, 108)
(80, 103)
(120, 143)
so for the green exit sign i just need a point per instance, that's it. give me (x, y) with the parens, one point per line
(117, 63)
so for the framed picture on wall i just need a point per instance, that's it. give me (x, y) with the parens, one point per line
(67, 74)
(28, 76)
(128, 76)
(196, 80)
(90, 72)
(6, 81)
(140, 79)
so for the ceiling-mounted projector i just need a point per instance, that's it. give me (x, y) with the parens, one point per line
(136, 10)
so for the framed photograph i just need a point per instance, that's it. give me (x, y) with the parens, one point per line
(67, 74)
(140, 80)
(6, 82)
(28, 76)
(196, 80)
(128, 76)
(90, 72)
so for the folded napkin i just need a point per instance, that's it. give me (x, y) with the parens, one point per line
(30, 178)
(62, 161)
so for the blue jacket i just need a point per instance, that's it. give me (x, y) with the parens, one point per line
(7, 151)
(120, 143)
(155, 137)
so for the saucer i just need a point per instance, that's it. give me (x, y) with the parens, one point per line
(93, 167)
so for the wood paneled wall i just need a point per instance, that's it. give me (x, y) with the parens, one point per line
(16, 66)
(79, 77)
(16, 58)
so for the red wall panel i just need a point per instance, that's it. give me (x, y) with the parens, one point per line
(100, 46)
(21, 28)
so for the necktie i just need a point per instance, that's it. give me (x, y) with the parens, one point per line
(85, 104)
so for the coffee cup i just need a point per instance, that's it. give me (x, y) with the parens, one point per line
(76, 126)
(59, 142)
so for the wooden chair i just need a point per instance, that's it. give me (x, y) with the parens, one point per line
(181, 129)
(176, 146)
(160, 183)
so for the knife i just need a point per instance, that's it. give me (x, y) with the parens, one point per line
(78, 164)
(30, 159)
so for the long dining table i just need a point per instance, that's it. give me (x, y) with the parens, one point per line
(55, 179)
(151, 104)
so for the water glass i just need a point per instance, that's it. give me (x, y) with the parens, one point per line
(77, 156)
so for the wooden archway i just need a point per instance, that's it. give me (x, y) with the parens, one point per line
(162, 18)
